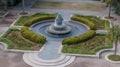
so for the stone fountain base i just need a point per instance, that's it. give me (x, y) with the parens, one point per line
(59, 30)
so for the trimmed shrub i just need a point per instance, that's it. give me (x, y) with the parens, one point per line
(28, 34)
(78, 39)
(88, 16)
(85, 21)
(35, 19)
(99, 23)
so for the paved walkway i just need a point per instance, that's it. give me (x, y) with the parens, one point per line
(11, 59)
(51, 50)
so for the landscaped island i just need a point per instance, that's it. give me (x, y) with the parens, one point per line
(24, 38)
(89, 42)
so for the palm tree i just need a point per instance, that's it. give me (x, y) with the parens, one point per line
(115, 33)
(23, 4)
(5, 4)
(109, 4)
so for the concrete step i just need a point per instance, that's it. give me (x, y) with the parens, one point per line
(33, 60)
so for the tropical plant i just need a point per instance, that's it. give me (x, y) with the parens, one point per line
(115, 33)
(4, 2)
(115, 4)
(109, 2)
(23, 5)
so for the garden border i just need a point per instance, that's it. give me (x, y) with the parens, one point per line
(15, 50)
(15, 21)
(97, 55)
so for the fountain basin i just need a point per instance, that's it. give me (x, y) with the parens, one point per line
(77, 29)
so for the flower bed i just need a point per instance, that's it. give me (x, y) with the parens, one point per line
(14, 39)
(91, 46)
(28, 20)
(89, 42)
(99, 24)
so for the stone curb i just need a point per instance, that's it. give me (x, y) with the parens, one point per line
(101, 31)
(12, 25)
(108, 20)
(106, 57)
(4, 32)
(28, 13)
(18, 27)
(4, 14)
(15, 21)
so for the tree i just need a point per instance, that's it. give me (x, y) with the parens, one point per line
(23, 4)
(4, 3)
(113, 3)
(109, 2)
(115, 33)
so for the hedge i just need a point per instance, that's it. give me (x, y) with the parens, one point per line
(35, 19)
(85, 21)
(78, 39)
(28, 34)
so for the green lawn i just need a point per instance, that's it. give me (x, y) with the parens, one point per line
(21, 20)
(114, 57)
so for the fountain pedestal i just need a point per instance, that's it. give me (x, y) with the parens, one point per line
(59, 27)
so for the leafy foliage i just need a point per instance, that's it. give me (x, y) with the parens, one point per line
(97, 23)
(28, 34)
(85, 21)
(36, 18)
(78, 39)
(29, 20)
